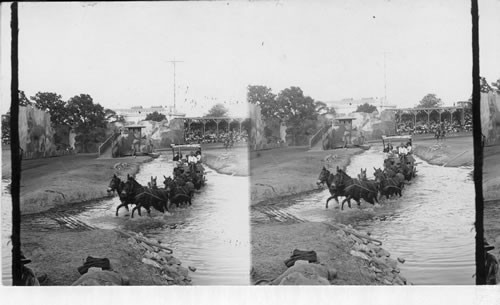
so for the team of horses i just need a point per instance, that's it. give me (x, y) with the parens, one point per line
(176, 191)
(388, 182)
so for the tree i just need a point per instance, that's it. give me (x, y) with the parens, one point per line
(485, 87)
(87, 119)
(295, 109)
(6, 128)
(54, 105)
(430, 101)
(366, 108)
(496, 85)
(112, 117)
(218, 110)
(262, 96)
(23, 100)
(155, 116)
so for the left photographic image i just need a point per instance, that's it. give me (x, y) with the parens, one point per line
(133, 133)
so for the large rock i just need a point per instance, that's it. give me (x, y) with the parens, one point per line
(306, 274)
(101, 278)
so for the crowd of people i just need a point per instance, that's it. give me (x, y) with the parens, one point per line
(402, 150)
(210, 136)
(408, 127)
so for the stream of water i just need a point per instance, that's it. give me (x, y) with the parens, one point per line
(431, 226)
(212, 235)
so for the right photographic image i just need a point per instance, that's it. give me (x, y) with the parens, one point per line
(361, 145)
(489, 58)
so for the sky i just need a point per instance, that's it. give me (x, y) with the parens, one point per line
(119, 53)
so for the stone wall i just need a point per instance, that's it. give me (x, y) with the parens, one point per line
(154, 135)
(365, 127)
(36, 135)
(259, 125)
(490, 117)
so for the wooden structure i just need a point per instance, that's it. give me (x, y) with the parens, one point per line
(217, 120)
(347, 123)
(135, 136)
(440, 110)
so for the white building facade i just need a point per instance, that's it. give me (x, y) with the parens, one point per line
(138, 113)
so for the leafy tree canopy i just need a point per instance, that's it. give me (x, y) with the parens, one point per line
(429, 101)
(262, 96)
(218, 110)
(112, 117)
(54, 105)
(496, 85)
(84, 115)
(295, 109)
(23, 100)
(155, 116)
(366, 108)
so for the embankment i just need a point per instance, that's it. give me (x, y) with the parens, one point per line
(52, 182)
(233, 161)
(282, 172)
(454, 152)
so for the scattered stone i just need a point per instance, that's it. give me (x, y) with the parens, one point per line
(309, 271)
(151, 262)
(398, 281)
(392, 263)
(193, 269)
(168, 278)
(356, 240)
(174, 261)
(401, 260)
(387, 282)
(301, 262)
(153, 255)
(381, 264)
(146, 246)
(373, 247)
(383, 253)
(375, 269)
(166, 256)
(101, 278)
(183, 271)
(359, 254)
(297, 278)
(362, 248)
(402, 278)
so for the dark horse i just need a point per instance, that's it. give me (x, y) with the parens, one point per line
(117, 185)
(355, 189)
(180, 191)
(145, 197)
(325, 176)
(389, 184)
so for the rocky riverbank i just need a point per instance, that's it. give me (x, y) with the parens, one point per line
(58, 254)
(350, 257)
